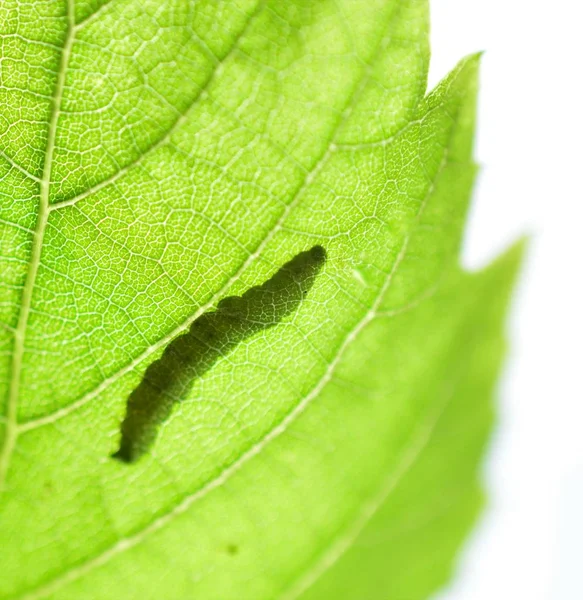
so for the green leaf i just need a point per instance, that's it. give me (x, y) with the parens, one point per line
(157, 157)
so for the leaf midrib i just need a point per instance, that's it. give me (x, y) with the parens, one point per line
(11, 425)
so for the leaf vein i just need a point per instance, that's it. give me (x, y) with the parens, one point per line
(409, 455)
(170, 131)
(11, 424)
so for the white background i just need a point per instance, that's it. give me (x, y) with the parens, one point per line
(529, 543)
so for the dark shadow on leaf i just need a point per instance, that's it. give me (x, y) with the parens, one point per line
(210, 337)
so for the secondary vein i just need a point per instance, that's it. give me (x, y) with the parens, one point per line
(179, 121)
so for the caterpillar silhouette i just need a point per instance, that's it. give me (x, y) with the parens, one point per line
(215, 333)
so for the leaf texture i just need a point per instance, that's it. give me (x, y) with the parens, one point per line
(158, 157)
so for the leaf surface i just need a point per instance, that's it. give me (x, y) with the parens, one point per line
(158, 157)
